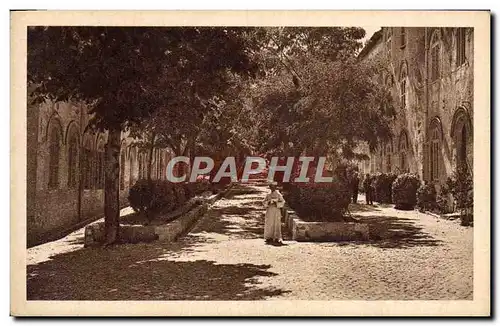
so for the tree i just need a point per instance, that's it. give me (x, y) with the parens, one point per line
(127, 74)
(337, 95)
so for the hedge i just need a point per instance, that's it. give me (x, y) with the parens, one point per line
(321, 201)
(152, 196)
(404, 191)
(383, 187)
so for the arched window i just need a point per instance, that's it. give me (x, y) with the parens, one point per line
(54, 154)
(403, 80)
(435, 56)
(435, 150)
(461, 130)
(132, 156)
(100, 154)
(153, 164)
(122, 170)
(87, 161)
(73, 159)
(141, 166)
(460, 46)
(403, 152)
(462, 150)
(145, 166)
(388, 156)
(158, 164)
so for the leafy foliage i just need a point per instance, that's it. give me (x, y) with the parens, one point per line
(126, 73)
(444, 199)
(340, 98)
(321, 201)
(461, 186)
(153, 196)
(427, 197)
(404, 191)
(314, 202)
(147, 78)
(383, 187)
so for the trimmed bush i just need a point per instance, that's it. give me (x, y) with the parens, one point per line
(152, 196)
(383, 187)
(319, 202)
(444, 200)
(404, 191)
(462, 188)
(140, 195)
(197, 188)
(426, 197)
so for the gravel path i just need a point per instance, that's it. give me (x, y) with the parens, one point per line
(421, 257)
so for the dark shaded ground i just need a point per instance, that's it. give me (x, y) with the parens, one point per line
(140, 272)
(396, 232)
(143, 271)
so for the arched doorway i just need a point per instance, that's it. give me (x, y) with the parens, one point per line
(462, 135)
(435, 157)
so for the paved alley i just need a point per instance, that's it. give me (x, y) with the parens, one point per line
(224, 258)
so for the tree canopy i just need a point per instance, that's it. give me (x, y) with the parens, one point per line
(127, 73)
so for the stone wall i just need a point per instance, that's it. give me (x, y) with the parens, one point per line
(445, 102)
(52, 208)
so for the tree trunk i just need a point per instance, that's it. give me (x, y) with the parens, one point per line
(151, 152)
(111, 187)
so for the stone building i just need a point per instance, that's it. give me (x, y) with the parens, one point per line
(65, 169)
(430, 72)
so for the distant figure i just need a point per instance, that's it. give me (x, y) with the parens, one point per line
(272, 228)
(367, 185)
(355, 186)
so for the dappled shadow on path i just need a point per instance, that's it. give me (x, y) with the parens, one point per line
(396, 232)
(242, 216)
(141, 272)
(241, 222)
(152, 271)
(242, 190)
(355, 208)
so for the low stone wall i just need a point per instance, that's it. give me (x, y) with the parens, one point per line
(176, 224)
(325, 231)
(95, 235)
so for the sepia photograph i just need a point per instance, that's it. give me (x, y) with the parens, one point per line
(285, 163)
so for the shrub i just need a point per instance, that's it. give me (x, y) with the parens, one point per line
(152, 196)
(404, 191)
(383, 187)
(426, 197)
(462, 189)
(443, 202)
(319, 202)
(140, 195)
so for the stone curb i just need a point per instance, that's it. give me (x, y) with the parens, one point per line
(183, 219)
(324, 231)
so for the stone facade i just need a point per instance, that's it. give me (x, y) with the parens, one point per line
(65, 168)
(430, 74)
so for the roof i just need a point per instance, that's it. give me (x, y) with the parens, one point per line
(377, 36)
